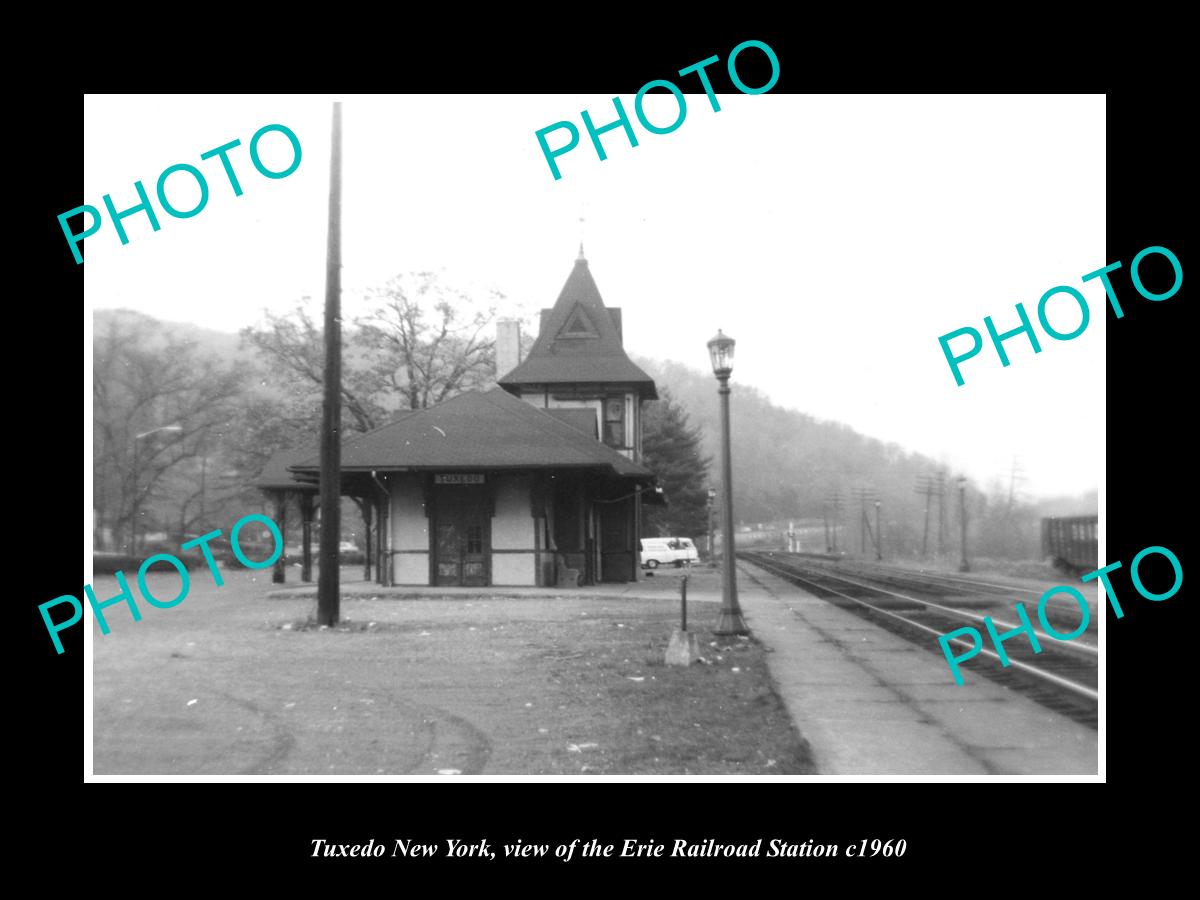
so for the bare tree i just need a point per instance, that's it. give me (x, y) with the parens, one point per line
(293, 349)
(420, 342)
(157, 404)
(425, 341)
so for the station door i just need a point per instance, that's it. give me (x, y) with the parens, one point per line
(461, 536)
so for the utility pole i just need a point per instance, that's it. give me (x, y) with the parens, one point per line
(962, 516)
(1012, 535)
(328, 599)
(836, 501)
(941, 495)
(1016, 476)
(931, 486)
(864, 496)
(878, 535)
(837, 518)
(925, 487)
(862, 527)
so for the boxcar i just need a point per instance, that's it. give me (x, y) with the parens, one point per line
(1071, 543)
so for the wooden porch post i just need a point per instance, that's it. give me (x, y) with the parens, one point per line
(278, 571)
(636, 532)
(306, 518)
(367, 554)
(383, 558)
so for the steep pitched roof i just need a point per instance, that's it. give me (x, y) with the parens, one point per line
(478, 430)
(579, 342)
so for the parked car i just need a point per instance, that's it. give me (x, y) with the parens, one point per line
(676, 551)
(348, 553)
(190, 559)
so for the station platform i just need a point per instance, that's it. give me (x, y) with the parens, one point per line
(872, 703)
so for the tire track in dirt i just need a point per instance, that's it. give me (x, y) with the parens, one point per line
(454, 741)
(443, 740)
(283, 740)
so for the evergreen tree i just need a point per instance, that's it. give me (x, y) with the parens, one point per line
(671, 450)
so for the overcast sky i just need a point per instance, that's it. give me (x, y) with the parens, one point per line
(836, 238)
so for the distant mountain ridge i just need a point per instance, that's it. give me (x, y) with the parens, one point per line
(221, 344)
(786, 463)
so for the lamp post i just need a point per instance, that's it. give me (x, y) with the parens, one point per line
(175, 429)
(712, 496)
(878, 536)
(720, 350)
(962, 518)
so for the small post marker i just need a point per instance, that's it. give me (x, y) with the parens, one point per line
(682, 650)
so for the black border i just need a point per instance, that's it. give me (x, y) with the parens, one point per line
(946, 825)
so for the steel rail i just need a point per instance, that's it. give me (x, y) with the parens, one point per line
(1074, 645)
(901, 572)
(953, 579)
(1066, 683)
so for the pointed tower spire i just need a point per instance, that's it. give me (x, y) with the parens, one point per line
(579, 343)
(582, 225)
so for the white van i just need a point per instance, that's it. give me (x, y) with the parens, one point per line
(668, 550)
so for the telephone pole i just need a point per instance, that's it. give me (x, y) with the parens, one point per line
(878, 535)
(931, 486)
(941, 495)
(963, 566)
(864, 496)
(1012, 535)
(328, 599)
(1016, 476)
(835, 500)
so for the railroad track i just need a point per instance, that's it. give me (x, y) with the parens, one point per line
(939, 580)
(1063, 677)
(931, 582)
(1063, 617)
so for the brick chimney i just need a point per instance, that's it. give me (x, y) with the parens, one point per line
(508, 346)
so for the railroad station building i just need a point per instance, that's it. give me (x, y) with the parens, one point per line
(537, 481)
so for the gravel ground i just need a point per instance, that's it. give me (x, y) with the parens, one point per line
(232, 682)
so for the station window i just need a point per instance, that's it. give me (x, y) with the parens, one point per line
(474, 538)
(614, 422)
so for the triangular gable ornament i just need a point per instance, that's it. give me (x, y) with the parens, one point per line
(578, 325)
